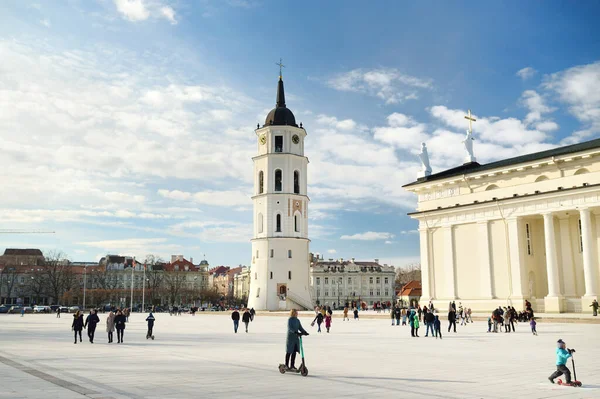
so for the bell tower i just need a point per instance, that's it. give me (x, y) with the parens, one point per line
(279, 277)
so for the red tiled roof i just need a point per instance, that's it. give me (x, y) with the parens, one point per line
(169, 267)
(219, 270)
(412, 288)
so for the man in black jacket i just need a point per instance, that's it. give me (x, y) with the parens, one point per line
(90, 323)
(246, 317)
(235, 316)
(429, 319)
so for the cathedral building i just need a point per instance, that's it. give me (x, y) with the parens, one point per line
(279, 277)
(525, 228)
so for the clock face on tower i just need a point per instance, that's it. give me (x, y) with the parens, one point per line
(295, 139)
(263, 139)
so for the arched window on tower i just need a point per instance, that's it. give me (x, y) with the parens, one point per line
(278, 182)
(278, 223)
(261, 182)
(296, 182)
(296, 224)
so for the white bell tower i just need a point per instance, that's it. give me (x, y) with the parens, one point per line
(279, 277)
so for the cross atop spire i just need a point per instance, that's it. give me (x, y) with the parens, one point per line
(280, 63)
(471, 120)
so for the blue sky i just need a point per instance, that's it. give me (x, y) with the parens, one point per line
(126, 126)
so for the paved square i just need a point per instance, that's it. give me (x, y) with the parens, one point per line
(200, 356)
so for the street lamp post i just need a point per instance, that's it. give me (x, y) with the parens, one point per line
(144, 289)
(131, 298)
(84, 284)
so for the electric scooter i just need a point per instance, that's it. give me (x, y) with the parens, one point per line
(303, 370)
(573, 383)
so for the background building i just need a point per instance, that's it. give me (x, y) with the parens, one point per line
(335, 282)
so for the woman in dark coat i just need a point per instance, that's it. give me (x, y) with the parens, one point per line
(292, 343)
(77, 325)
(246, 318)
(319, 319)
(120, 320)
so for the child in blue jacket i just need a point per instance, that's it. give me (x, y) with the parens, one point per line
(562, 354)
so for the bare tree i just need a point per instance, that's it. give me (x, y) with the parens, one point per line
(8, 279)
(154, 277)
(408, 273)
(174, 283)
(58, 275)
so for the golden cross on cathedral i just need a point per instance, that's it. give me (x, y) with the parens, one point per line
(280, 63)
(471, 119)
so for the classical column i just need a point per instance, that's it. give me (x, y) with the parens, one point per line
(551, 260)
(589, 271)
(487, 286)
(515, 255)
(425, 269)
(449, 266)
(566, 259)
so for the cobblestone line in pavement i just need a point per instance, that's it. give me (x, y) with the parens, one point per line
(47, 377)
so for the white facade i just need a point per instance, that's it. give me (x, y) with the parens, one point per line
(336, 282)
(521, 229)
(280, 247)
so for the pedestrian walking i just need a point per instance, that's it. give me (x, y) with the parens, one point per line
(429, 320)
(90, 323)
(120, 320)
(356, 314)
(246, 318)
(235, 316)
(393, 315)
(58, 312)
(416, 326)
(403, 316)
(397, 314)
(77, 325)
(345, 314)
(594, 307)
(150, 319)
(22, 311)
(319, 320)
(533, 325)
(437, 325)
(110, 326)
(328, 322)
(252, 314)
(452, 319)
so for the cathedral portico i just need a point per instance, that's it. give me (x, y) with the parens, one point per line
(521, 229)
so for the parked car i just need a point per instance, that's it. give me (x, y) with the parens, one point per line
(4, 309)
(64, 309)
(214, 309)
(73, 309)
(40, 309)
(15, 309)
(28, 309)
(53, 308)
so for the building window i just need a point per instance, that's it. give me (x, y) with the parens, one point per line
(255, 276)
(318, 280)
(378, 280)
(296, 182)
(318, 292)
(349, 280)
(278, 143)
(296, 227)
(257, 254)
(278, 180)
(260, 222)
(289, 275)
(333, 292)
(289, 253)
(278, 223)
(371, 292)
(326, 293)
(378, 293)
(387, 293)
(580, 237)
(271, 275)
(272, 252)
(370, 280)
(528, 237)
(326, 280)
(386, 281)
(261, 182)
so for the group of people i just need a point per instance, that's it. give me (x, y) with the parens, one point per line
(503, 318)
(325, 313)
(247, 317)
(116, 320)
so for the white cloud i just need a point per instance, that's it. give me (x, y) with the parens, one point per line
(389, 242)
(133, 10)
(213, 231)
(389, 84)
(368, 236)
(536, 105)
(331, 251)
(169, 14)
(526, 73)
(228, 198)
(46, 22)
(409, 232)
(402, 131)
(579, 88)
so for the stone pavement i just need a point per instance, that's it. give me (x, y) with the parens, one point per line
(200, 356)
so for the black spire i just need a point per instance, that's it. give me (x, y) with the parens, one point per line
(280, 94)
